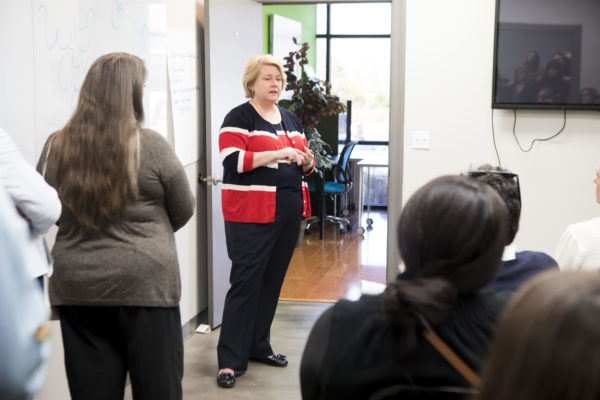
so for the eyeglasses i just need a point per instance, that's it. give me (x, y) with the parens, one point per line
(504, 174)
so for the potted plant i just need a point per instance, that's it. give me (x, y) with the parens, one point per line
(311, 100)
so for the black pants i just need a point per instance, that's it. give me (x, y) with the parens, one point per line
(102, 343)
(260, 255)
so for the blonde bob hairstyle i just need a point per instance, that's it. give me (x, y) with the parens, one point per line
(252, 70)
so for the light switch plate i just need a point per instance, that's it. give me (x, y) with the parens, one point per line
(420, 140)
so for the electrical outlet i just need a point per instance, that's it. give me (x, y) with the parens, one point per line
(420, 140)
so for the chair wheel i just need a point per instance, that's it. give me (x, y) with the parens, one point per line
(307, 231)
(342, 231)
(349, 227)
(369, 221)
(360, 230)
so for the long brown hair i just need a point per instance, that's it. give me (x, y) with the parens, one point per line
(96, 154)
(547, 345)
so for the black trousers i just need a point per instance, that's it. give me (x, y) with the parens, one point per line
(102, 343)
(260, 255)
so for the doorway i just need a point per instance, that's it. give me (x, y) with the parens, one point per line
(350, 48)
(227, 38)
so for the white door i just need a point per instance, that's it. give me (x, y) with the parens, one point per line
(233, 32)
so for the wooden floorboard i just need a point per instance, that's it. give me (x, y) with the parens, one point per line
(334, 268)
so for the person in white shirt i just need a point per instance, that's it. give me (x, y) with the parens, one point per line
(24, 328)
(579, 246)
(35, 200)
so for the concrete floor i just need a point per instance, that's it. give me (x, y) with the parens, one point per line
(290, 329)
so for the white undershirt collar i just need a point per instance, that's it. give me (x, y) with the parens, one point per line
(510, 253)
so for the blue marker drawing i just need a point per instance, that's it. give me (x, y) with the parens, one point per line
(83, 23)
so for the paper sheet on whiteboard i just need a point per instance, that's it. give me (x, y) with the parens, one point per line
(182, 65)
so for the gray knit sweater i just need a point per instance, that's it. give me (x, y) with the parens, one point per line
(133, 261)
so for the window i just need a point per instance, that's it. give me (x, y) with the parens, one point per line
(353, 54)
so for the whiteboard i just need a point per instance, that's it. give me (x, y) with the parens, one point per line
(68, 35)
(282, 33)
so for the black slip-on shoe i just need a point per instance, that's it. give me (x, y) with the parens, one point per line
(276, 360)
(226, 380)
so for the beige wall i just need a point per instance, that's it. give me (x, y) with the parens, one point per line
(449, 55)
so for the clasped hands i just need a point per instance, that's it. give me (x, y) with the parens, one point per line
(291, 154)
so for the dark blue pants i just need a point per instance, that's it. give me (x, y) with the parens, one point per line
(260, 255)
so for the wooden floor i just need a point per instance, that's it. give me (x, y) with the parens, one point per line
(339, 266)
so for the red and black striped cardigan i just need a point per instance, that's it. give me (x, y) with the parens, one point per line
(248, 195)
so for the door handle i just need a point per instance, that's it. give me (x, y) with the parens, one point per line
(209, 180)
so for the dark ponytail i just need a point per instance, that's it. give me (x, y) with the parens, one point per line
(451, 235)
(408, 303)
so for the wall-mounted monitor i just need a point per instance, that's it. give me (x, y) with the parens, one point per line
(547, 54)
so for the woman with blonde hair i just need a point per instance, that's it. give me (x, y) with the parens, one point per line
(116, 284)
(264, 157)
(547, 345)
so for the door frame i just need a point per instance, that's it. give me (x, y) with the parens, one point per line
(396, 148)
(230, 39)
(396, 140)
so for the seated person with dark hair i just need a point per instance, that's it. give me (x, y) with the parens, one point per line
(564, 62)
(545, 95)
(516, 267)
(589, 96)
(451, 235)
(553, 89)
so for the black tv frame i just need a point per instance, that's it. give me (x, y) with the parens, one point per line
(531, 106)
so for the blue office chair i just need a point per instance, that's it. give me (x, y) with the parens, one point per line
(340, 186)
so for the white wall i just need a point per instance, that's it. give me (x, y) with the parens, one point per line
(449, 54)
(16, 75)
(17, 116)
(181, 17)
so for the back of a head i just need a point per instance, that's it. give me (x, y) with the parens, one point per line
(453, 228)
(508, 188)
(556, 67)
(548, 342)
(96, 154)
(451, 237)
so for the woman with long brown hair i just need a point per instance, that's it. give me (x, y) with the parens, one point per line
(116, 284)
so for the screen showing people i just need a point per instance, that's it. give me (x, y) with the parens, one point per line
(547, 54)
